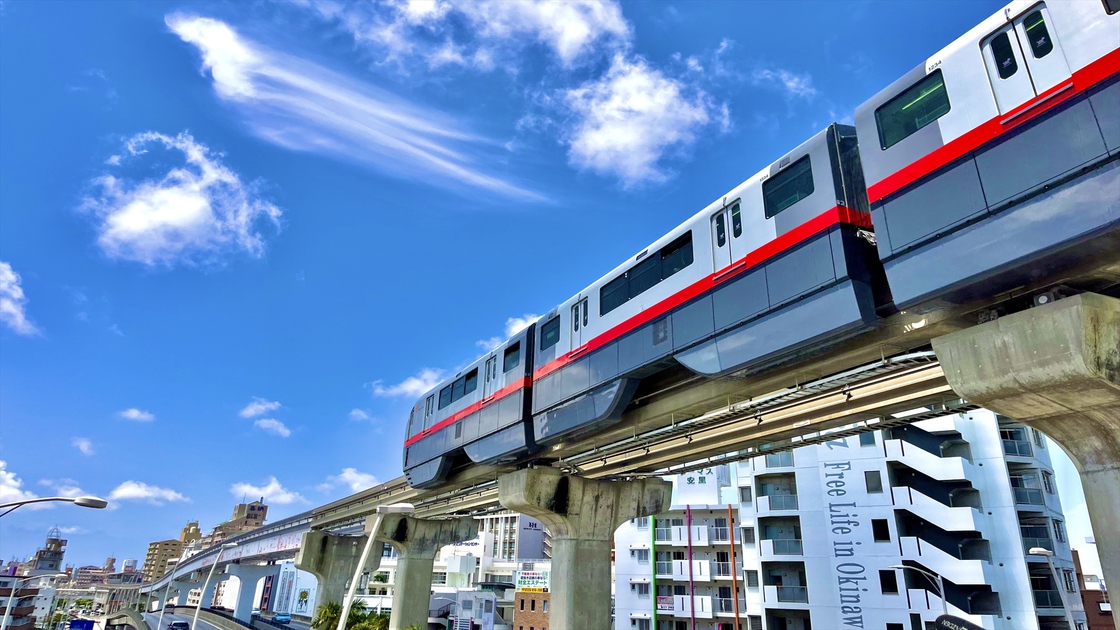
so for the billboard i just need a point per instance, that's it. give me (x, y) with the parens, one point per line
(532, 581)
(664, 603)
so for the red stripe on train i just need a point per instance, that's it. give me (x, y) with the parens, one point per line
(468, 410)
(1080, 81)
(834, 216)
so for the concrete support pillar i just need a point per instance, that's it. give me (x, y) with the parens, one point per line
(582, 515)
(248, 575)
(184, 588)
(417, 541)
(332, 560)
(208, 594)
(1055, 368)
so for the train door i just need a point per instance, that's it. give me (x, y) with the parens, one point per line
(579, 322)
(490, 381)
(1024, 60)
(721, 246)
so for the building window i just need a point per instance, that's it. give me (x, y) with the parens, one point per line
(1059, 531)
(640, 624)
(532, 605)
(544, 605)
(874, 481)
(642, 522)
(642, 555)
(919, 105)
(746, 495)
(881, 530)
(641, 588)
(748, 535)
(779, 460)
(1038, 438)
(754, 622)
(752, 578)
(888, 581)
(1048, 481)
(1067, 578)
(867, 439)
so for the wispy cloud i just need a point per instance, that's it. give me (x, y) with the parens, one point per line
(631, 117)
(514, 325)
(412, 386)
(84, 445)
(197, 212)
(11, 486)
(140, 491)
(73, 529)
(273, 426)
(13, 303)
(259, 407)
(137, 415)
(484, 34)
(360, 415)
(350, 477)
(304, 106)
(272, 492)
(793, 85)
(64, 487)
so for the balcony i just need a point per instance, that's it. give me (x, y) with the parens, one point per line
(663, 534)
(1031, 542)
(1017, 448)
(787, 546)
(663, 568)
(793, 594)
(722, 569)
(1029, 496)
(783, 501)
(1048, 599)
(719, 534)
(682, 605)
(726, 605)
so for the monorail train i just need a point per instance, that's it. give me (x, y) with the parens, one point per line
(991, 167)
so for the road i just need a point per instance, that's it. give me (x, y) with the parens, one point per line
(153, 618)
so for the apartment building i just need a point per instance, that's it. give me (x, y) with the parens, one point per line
(853, 532)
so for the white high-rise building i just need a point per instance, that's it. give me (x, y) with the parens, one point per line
(824, 527)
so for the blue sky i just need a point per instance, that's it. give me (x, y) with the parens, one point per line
(238, 239)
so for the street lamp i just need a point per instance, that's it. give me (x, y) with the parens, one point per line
(90, 502)
(382, 510)
(936, 576)
(1049, 555)
(12, 594)
(218, 558)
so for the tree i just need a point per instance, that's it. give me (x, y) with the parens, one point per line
(326, 618)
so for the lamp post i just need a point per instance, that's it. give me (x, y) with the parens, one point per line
(218, 558)
(1049, 555)
(382, 510)
(936, 576)
(167, 589)
(90, 502)
(12, 594)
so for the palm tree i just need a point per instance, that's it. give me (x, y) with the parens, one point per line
(326, 617)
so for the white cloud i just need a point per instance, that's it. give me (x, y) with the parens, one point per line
(360, 415)
(84, 445)
(794, 85)
(272, 492)
(196, 212)
(350, 477)
(11, 486)
(73, 529)
(64, 487)
(138, 415)
(631, 117)
(273, 426)
(13, 303)
(514, 325)
(139, 491)
(303, 106)
(412, 386)
(480, 33)
(259, 407)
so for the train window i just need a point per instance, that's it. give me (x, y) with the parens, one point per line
(919, 105)
(445, 397)
(1004, 55)
(736, 221)
(575, 317)
(721, 230)
(1038, 35)
(428, 405)
(1111, 6)
(470, 381)
(550, 333)
(457, 389)
(789, 186)
(512, 357)
(676, 255)
(584, 312)
(644, 275)
(613, 295)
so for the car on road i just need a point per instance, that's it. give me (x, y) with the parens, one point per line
(179, 625)
(282, 618)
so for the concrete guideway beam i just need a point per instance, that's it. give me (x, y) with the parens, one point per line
(332, 559)
(1055, 368)
(248, 575)
(582, 515)
(417, 542)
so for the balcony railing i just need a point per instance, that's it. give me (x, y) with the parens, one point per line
(721, 569)
(1048, 599)
(1029, 496)
(787, 547)
(1018, 448)
(719, 534)
(783, 501)
(793, 594)
(727, 605)
(664, 567)
(1030, 543)
(663, 534)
